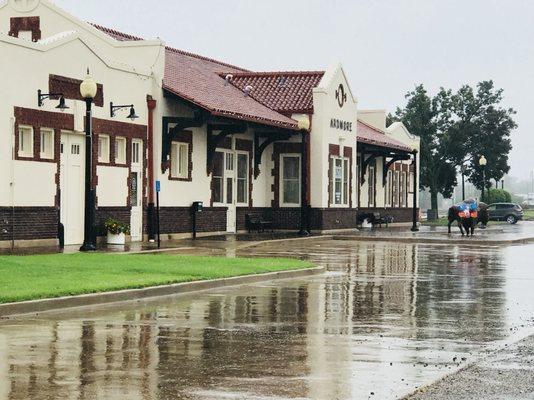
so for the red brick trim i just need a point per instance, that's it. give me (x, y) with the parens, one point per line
(22, 24)
(70, 88)
(130, 132)
(278, 149)
(183, 137)
(38, 119)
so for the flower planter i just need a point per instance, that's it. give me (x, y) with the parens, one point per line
(116, 239)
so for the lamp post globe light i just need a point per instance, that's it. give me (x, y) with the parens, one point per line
(88, 90)
(483, 162)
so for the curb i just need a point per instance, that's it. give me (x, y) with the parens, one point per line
(60, 303)
(464, 241)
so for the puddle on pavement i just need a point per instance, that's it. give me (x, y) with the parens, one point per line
(385, 319)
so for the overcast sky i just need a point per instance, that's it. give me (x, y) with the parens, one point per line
(386, 46)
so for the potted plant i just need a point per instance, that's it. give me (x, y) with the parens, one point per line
(117, 231)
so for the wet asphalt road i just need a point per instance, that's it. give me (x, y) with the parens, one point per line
(386, 319)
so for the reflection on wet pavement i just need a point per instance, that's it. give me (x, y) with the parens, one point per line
(385, 319)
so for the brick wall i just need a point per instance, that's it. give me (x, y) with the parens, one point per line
(284, 218)
(29, 223)
(180, 220)
(121, 214)
(398, 214)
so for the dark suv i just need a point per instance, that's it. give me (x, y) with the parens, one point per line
(508, 212)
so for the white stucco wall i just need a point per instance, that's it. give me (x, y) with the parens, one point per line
(74, 47)
(326, 107)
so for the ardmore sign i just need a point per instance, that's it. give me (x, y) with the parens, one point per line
(341, 125)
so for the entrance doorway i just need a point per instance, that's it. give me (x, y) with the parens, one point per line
(72, 178)
(230, 182)
(136, 191)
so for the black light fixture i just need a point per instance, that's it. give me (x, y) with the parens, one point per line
(112, 109)
(41, 97)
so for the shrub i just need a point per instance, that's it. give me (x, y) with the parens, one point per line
(116, 227)
(497, 196)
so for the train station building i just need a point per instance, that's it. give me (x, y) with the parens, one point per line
(290, 147)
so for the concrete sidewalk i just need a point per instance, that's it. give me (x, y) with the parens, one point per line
(505, 374)
(495, 234)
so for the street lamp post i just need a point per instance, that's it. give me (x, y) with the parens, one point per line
(463, 169)
(415, 189)
(88, 90)
(483, 162)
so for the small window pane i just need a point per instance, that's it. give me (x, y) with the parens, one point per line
(217, 190)
(120, 150)
(47, 144)
(229, 190)
(291, 180)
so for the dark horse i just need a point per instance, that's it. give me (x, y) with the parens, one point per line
(469, 223)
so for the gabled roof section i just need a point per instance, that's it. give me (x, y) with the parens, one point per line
(198, 80)
(120, 36)
(285, 92)
(371, 135)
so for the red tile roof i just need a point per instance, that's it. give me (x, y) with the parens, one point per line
(371, 135)
(285, 92)
(198, 79)
(120, 36)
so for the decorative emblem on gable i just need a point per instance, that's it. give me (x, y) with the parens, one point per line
(24, 6)
(341, 96)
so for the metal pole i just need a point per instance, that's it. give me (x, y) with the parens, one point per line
(89, 237)
(304, 225)
(483, 182)
(463, 184)
(415, 188)
(157, 221)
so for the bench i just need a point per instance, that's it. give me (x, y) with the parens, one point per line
(374, 218)
(258, 223)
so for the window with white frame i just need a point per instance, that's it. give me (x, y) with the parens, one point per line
(25, 141)
(290, 180)
(103, 148)
(395, 189)
(120, 150)
(217, 185)
(339, 181)
(403, 189)
(242, 178)
(388, 193)
(46, 143)
(372, 184)
(180, 160)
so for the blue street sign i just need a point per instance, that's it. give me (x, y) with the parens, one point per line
(158, 186)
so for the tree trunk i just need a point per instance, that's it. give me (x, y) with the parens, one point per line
(434, 205)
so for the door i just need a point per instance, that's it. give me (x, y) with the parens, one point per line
(230, 191)
(136, 191)
(72, 179)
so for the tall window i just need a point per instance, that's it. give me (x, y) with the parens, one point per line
(47, 144)
(242, 178)
(103, 148)
(136, 152)
(372, 184)
(180, 160)
(395, 189)
(339, 180)
(290, 177)
(218, 177)
(120, 150)
(388, 193)
(25, 141)
(403, 190)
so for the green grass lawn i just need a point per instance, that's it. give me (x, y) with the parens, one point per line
(56, 275)
(529, 214)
